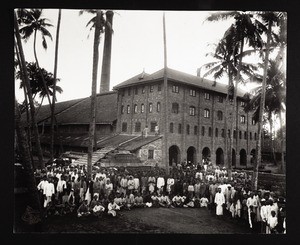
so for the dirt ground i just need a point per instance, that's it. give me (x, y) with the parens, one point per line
(148, 220)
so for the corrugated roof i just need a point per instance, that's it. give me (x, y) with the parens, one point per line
(178, 76)
(115, 140)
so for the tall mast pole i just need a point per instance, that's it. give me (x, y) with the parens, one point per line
(165, 153)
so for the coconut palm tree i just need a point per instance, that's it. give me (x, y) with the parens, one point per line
(22, 66)
(97, 23)
(269, 19)
(274, 95)
(244, 30)
(31, 22)
(55, 88)
(225, 64)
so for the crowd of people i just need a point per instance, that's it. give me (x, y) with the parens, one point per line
(66, 190)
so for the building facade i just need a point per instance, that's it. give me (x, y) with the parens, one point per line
(195, 118)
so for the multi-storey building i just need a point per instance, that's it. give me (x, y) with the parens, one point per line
(191, 126)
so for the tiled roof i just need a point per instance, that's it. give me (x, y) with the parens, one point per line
(78, 111)
(138, 143)
(178, 76)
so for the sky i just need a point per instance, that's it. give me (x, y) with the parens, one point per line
(137, 45)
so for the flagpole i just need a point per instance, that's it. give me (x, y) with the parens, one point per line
(165, 141)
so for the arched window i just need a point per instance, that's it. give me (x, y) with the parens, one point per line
(150, 107)
(206, 113)
(142, 108)
(128, 109)
(240, 135)
(135, 108)
(203, 131)
(122, 109)
(243, 119)
(192, 110)
(255, 136)
(245, 135)
(175, 108)
(223, 133)
(158, 107)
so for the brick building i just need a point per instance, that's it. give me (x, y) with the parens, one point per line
(194, 118)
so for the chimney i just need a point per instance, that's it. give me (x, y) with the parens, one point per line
(105, 74)
(198, 72)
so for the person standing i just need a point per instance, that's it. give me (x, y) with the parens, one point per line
(219, 201)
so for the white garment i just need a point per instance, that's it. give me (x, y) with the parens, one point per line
(49, 189)
(61, 185)
(136, 183)
(160, 182)
(219, 200)
(41, 185)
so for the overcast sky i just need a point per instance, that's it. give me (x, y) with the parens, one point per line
(137, 44)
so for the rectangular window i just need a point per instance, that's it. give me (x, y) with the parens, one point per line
(250, 135)
(207, 96)
(193, 92)
(150, 154)
(151, 88)
(175, 89)
(152, 126)
(175, 108)
(192, 111)
(136, 90)
(159, 87)
(122, 109)
(203, 131)
(234, 134)
(243, 119)
(209, 132)
(179, 128)
(223, 133)
(245, 135)
(188, 129)
(253, 121)
(220, 115)
(123, 92)
(171, 127)
(216, 132)
(124, 127)
(137, 127)
(195, 130)
(129, 91)
(242, 103)
(143, 89)
(220, 99)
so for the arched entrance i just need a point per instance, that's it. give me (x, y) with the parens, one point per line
(191, 154)
(205, 153)
(219, 157)
(252, 153)
(174, 155)
(243, 157)
(233, 157)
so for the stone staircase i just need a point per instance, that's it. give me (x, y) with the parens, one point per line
(97, 155)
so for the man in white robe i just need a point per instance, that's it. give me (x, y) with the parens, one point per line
(219, 201)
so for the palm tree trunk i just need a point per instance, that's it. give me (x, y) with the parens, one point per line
(93, 96)
(40, 71)
(234, 111)
(37, 111)
(54, 86)
(261, 111)
(271, 137)
(26, 103)
(34, 200)
(26, 82)
(228, 150)
(283, 167)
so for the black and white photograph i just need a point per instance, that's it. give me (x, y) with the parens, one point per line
(149, 121)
